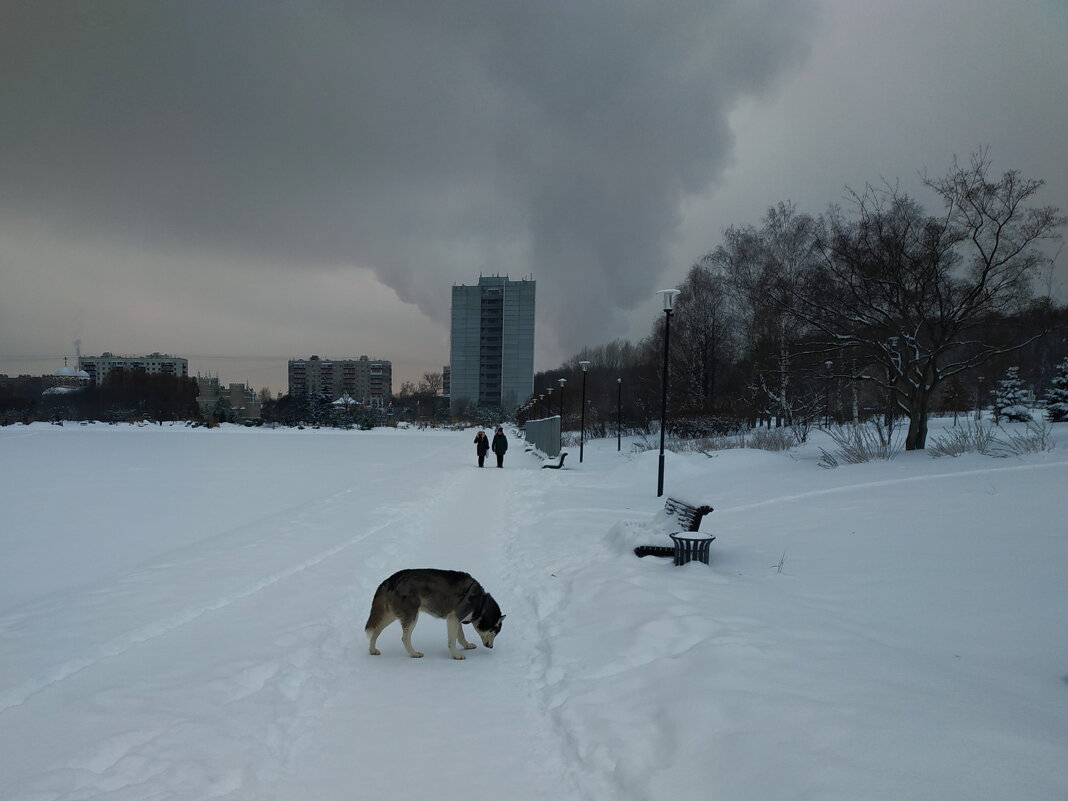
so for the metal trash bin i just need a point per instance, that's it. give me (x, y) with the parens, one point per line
(691, 547)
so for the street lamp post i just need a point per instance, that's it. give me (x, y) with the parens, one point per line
(582, 424)
(561, 382)
(548, 413)
(668, 297)
(619, 414)
(541, 407)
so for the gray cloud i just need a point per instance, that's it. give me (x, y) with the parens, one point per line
(423, 141)
(894, 88)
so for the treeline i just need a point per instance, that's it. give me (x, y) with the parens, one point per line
(878, 309)
(424, 401)
(124, 395)
(317, 409)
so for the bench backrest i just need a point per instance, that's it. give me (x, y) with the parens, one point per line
(558, 465)
(688, 516)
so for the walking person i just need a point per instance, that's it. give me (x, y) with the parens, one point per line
(500, 445)
(482, 445)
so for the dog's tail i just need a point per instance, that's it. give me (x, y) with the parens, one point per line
(378, 610)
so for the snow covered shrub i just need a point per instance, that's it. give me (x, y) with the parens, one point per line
(772, 439)
(801, 427)
(706, 445)
(643, 444)
(1034, 439)
(1057, 395)
(705, 426)
(778, 439)
(972, 437)
(1010, 399)
(861, 442)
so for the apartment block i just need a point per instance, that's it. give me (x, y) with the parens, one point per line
(368, 381)
(98, 367)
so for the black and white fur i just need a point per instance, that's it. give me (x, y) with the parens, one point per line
(450, 594)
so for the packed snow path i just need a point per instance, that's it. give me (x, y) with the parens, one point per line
(436, 726)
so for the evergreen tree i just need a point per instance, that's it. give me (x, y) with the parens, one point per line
(319, 408)
(1057, 395)
(1010, 400)
(222, 411)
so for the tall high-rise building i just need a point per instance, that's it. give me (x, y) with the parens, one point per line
(491, 353)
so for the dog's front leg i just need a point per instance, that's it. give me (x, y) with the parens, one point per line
(455, 629)
(462, 639)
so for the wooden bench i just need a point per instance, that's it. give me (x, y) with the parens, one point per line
(556, 466)
(685, 549)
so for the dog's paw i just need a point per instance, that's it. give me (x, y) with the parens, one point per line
(458, 656)
(375, 652)
(416, 655)
(469, 645)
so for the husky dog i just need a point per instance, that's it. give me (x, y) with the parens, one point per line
(450, 594)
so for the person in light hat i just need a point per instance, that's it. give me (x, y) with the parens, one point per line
(482, 446)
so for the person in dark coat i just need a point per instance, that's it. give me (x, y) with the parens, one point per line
(500, 445)
(482, 445)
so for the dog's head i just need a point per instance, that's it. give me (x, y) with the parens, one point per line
(488, 623)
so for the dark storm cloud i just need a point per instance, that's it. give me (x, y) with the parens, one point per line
(426, 141)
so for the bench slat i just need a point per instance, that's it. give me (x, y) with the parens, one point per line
(688, 516)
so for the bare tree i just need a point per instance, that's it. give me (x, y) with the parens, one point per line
(431, 384)
(761, 265)
(614, 356)
(908, 296)
(701, 319)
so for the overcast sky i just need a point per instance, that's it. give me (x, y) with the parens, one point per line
(242, 183)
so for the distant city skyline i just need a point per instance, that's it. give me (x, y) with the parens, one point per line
(228, 369)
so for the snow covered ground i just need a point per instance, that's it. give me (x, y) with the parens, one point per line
(182, 611)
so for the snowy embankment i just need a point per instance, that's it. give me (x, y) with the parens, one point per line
(181, 616)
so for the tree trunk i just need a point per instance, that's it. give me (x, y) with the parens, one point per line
(916, 439)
